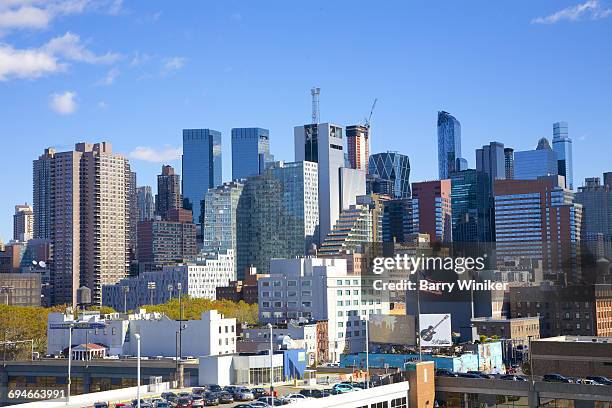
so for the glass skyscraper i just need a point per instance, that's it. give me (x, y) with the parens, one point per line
(472, 206)
(391, 174)
(531, 164)
(278, 215)
(562, 145)
(491, 160)
(449, 144)
(250, 152)
(201, 167)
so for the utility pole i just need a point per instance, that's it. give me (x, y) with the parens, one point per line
(126, 290)
(179, 287)
(151, 286)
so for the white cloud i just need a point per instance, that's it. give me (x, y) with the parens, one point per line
(102, 105)
(174, 63)
(38, 14)
(589, 10)
(27, 63)
(150, 154)
(110, 77)
(63, 103)
(51, 58)
(70, 46)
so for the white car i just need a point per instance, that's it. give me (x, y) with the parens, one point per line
(291, 398)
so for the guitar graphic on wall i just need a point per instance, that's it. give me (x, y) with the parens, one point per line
(428, 333)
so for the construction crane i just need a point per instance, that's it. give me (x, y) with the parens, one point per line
(369, 118)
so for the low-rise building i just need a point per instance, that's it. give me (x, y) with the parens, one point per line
(212, 334)
(521, 329)
(198, 279)
(239, 290)
(320, 289)
(574, 356)
(20, 289)
(305, 333)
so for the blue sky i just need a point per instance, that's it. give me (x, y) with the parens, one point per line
(136, 72)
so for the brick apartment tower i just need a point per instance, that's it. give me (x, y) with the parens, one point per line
(431, 209)
(83, 198)
(539, 219)
(168, 192)
(358, 140)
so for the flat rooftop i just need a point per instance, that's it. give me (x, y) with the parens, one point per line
(577, 339)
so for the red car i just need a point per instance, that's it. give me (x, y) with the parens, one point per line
(183, 403)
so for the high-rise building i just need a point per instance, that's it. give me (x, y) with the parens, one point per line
(562, 145)
(531, 164)
(491, 160)
(89, 210)
(167, 241)
(41, 182)
(353, 229)
(23, 223)
(220, 219)
(168, 192)
(323, 144)
(250, 152)
(133, 197)
(472, 206)
(509, 162)
(201, 167)
(321, 289)
(607, 179)
(390, 175)
(432, 210)
(397, 220)
(358, 144)
(538, 219)
(146, 203)
(449, 144)
(596, 200)
(277, 215)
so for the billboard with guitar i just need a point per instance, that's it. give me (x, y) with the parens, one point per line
(435, 330)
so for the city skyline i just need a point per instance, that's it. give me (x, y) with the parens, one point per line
(515, 106)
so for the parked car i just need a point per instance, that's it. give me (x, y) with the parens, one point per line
(244, 394)
(184, 394)
(556, 378)
(197, 391)
(259, 392)
(512, 377)
(214, 388)
(162, 404)
(270, 400)
(183, 403)
(258, 404)
(294, 397)
(342, 388)
(600, 380)
(443, 372)
(100, 405)
(469, 375)
(197, 401)
(225, 398)
(211, 399)
(314, 393)
(482, 375)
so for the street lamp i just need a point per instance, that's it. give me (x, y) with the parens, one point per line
(179, 286)
(137, 369)
(367, 351)
(151, 287)
(271, 365)
(126, 290)
(170, 289)
(69, 362)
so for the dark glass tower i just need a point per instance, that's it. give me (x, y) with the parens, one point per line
(250, 152)
(449, 144)
(472, 207)
(389, 174)
(201, 166)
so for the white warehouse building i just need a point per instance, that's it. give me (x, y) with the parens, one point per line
(211, 335)
(321, 289)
